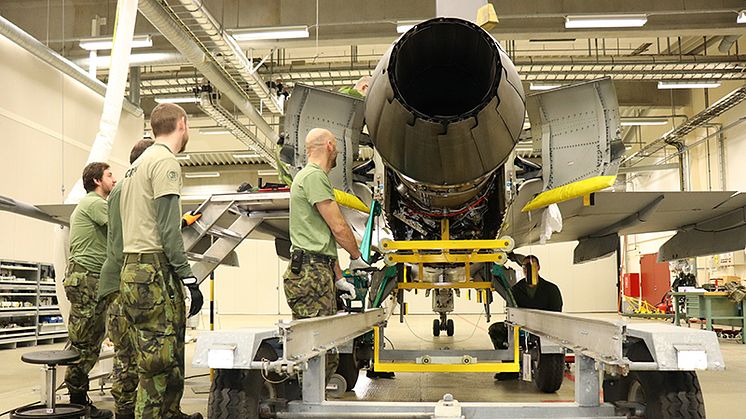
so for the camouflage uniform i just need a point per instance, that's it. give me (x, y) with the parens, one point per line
(151, 289)
(121, 332)
(124, 374)
(153, 300)
(86, 324)
(311, 294)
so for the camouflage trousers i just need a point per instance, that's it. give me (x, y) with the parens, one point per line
(310, 293)
(124, 375)
(153, 301)
(86, 325)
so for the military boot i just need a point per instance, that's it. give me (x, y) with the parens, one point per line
(93, 412)
(192, 416)
(126, 415)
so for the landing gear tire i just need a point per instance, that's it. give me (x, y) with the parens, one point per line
(657, 394)
(548, 372)
(348, 368)
(436, 327)
(242, 393)
(449, 327)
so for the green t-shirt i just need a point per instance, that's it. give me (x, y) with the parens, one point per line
(308, 230)
(154, 174)
(109, 281)
(88, 232)
(350, 90)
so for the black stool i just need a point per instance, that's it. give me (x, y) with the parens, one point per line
(51, 410)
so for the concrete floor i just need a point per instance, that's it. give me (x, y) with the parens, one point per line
(19, 382)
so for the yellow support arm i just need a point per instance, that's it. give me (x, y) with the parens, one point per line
(569, 191)
(351, 201)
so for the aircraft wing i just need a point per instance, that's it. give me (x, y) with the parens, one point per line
(705, 222)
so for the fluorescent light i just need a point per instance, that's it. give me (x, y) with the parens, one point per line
(741, 17)
(102, 43)
(627, 122)
(266, 172)
(405, 25)
(547, 41)
(544, 86)
(605, 21)
(182, 157)
(193, 175)
(278, 32)
(688, 84)
(213, 130)
(177, 99)
(245, 156)
(628, 147)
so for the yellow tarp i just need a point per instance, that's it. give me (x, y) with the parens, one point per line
(569, 191)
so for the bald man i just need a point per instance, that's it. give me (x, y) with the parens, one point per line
(316, 226)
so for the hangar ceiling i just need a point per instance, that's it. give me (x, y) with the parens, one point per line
(682, 40)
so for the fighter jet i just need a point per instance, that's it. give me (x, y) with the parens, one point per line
(444, 111)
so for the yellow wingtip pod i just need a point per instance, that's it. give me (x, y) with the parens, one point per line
(350, 201)
(569, 191)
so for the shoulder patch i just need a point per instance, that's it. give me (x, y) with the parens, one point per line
(172, 175)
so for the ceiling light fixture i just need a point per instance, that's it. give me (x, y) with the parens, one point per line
(266, 172)
(246, 156)
(405, 25)
(544, 86)
(547, 41)
(627, 122)
(605, 21)
(182, 157)
(177, 99)
(277, 32)
(104, 43)
(688, 84)
(213, 131)
(741, 17)
(194, 175)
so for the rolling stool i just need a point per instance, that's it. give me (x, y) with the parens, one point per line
(51, 410)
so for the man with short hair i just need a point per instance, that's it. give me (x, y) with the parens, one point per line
(316, 226)
(156, 269)
(121, 332)
(533, 292)
(85, 325)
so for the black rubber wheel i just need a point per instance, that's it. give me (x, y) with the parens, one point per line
(449, 327)
(436, 327)
(348, 369)
(658, 394)
(239, 393)
(549, 371)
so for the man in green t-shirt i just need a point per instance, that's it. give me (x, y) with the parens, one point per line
(85, 325)
(316, 226)
(156, 268)
(120, 330)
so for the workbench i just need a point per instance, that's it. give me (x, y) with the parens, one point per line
(713, 307)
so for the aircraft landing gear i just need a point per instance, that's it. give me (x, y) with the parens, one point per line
(444, 323)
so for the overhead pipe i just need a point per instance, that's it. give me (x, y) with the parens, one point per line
(57, 61)
(204, 63)
(231, 52)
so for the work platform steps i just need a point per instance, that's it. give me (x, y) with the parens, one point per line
(227, 220)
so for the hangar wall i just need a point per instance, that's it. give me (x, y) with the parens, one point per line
(47, 126)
